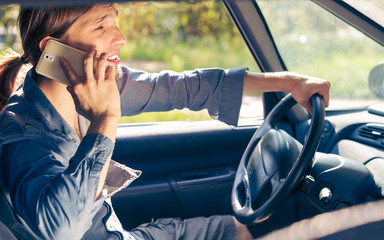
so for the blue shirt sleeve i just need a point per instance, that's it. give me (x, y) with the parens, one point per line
(54, 200)
(218, 90)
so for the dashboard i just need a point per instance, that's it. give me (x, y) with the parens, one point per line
(349, 169)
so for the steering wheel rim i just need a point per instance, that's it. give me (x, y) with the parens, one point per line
(249, 204)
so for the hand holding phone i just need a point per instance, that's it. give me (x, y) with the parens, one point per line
(96, 95)
(49, 62)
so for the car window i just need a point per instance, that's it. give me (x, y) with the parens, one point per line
(169, 35)
(315, 42)
(183, 36)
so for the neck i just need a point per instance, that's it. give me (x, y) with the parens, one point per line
(61, 99)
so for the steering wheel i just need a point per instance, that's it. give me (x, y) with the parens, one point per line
(274, 163)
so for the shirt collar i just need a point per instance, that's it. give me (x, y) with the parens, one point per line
(49, 115)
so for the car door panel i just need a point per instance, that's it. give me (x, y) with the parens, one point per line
(188, 168)
(211, 186)
(166, 148)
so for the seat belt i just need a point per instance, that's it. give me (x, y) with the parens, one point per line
(7, 216)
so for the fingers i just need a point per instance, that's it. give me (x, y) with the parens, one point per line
(88, 64)
(95, 67)
(307, 87)
(307, 106)
(321, 87)
(90, 90)
(101, 67)
(72, 77)
(111, 73)
(325, 94)
(325, 97)
(323, 90)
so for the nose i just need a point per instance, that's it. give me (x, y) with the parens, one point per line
(119, 38)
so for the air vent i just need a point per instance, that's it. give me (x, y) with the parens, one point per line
(373, 132)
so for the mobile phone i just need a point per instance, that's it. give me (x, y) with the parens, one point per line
(49, 64)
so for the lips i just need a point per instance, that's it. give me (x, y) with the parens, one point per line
(114, 59)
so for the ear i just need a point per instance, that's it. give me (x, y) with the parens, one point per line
(43, 42)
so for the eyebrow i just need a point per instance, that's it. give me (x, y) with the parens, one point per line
(100, 19)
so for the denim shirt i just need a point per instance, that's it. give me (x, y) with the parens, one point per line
(51, 177)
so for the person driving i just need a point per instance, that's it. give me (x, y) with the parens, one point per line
(57, 140)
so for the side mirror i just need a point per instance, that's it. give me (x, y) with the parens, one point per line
(376, 85)
(376, 81)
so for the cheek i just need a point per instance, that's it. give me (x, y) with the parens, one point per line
(80, 42)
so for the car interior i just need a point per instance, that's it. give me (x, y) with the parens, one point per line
(268, 172)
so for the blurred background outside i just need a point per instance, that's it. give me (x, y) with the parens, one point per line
(188, 35)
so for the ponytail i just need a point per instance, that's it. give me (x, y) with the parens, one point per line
(9, 71)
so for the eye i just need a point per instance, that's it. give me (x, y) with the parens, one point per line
(99, 28)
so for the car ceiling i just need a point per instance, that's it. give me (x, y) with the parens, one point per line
(55, 3)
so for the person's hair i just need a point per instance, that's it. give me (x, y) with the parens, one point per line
(34, 25)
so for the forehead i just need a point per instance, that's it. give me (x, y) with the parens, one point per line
(97, 14)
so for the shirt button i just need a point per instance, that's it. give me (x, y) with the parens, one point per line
(110, 227)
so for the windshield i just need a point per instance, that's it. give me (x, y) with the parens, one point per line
(313, 41)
